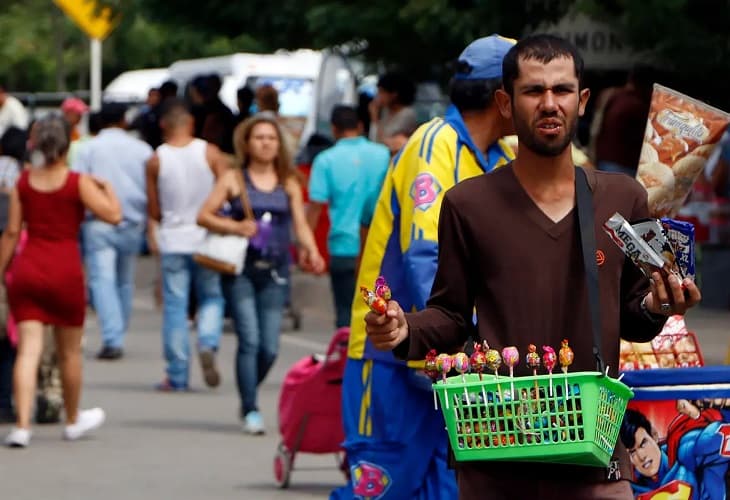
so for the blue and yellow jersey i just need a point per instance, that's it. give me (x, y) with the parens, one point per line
(402, 243)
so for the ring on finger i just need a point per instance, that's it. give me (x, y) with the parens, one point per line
(665, 308)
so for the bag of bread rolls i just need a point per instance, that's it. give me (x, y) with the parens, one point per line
(681, 133)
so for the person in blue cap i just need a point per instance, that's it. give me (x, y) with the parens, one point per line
(395, 441)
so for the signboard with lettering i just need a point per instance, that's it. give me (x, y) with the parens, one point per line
(93, 18)
(601, 46)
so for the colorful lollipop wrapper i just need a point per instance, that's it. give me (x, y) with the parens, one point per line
(444, 362)
(376, 304)
(478, 361)
(430, 366)
(382, 289)
(532, 359)
(461, 365)
(494, 361)
(566, 357)
(511, 357)
(431, 369)
(461, 362)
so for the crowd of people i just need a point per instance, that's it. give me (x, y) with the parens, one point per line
(180, 168)
(405, 201)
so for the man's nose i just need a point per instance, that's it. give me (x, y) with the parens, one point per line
(548, 101)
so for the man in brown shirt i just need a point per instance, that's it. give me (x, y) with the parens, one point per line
(509, 247)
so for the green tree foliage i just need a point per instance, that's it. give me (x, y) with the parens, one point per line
(687, 38)
(42, 50)
(30, 45)
(420, 36)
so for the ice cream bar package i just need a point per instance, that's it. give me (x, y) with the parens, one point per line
(635, 248)
(681, 133)
(654, 234)
(681, 236)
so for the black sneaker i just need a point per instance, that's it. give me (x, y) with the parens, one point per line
(110, 353)
(46, 411)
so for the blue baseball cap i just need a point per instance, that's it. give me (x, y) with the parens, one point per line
(482, 58)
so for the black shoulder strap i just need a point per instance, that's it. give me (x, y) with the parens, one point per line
(584, 200)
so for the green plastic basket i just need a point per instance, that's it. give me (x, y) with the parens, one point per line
(573, 420)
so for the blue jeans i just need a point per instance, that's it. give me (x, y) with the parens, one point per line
(342, 278)
(110, 254)
(181, 276)
(257, 298)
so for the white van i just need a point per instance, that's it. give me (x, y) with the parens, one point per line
(310, 83)
(131, 87)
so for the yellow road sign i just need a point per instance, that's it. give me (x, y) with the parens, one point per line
(95, 19)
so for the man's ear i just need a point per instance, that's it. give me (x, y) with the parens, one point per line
(583, 100)
(504, 103)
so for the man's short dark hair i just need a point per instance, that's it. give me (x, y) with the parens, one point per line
(401, 85)
(174, 111)
(344, 118)
(215, 82)
(543, 48)
(473, 95)
(633, 421)
(245, 94)
(13, 142)
(95, 122)
(168, 89)
(112, 113)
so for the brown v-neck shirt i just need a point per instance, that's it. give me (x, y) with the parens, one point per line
(524, 274)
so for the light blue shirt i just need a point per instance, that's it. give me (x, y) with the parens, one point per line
(348, 176)
(120, 159)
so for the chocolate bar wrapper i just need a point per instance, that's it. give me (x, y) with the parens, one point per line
(633, 246)
(681, 236)
(653, 232)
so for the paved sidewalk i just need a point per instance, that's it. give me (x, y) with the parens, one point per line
(172, 446)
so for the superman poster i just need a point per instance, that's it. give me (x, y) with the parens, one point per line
(677, 433)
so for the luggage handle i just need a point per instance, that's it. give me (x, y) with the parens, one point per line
(338, 346)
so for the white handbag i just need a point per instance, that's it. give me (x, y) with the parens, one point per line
(226, 253)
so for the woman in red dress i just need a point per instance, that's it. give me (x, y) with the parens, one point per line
(48, 281)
